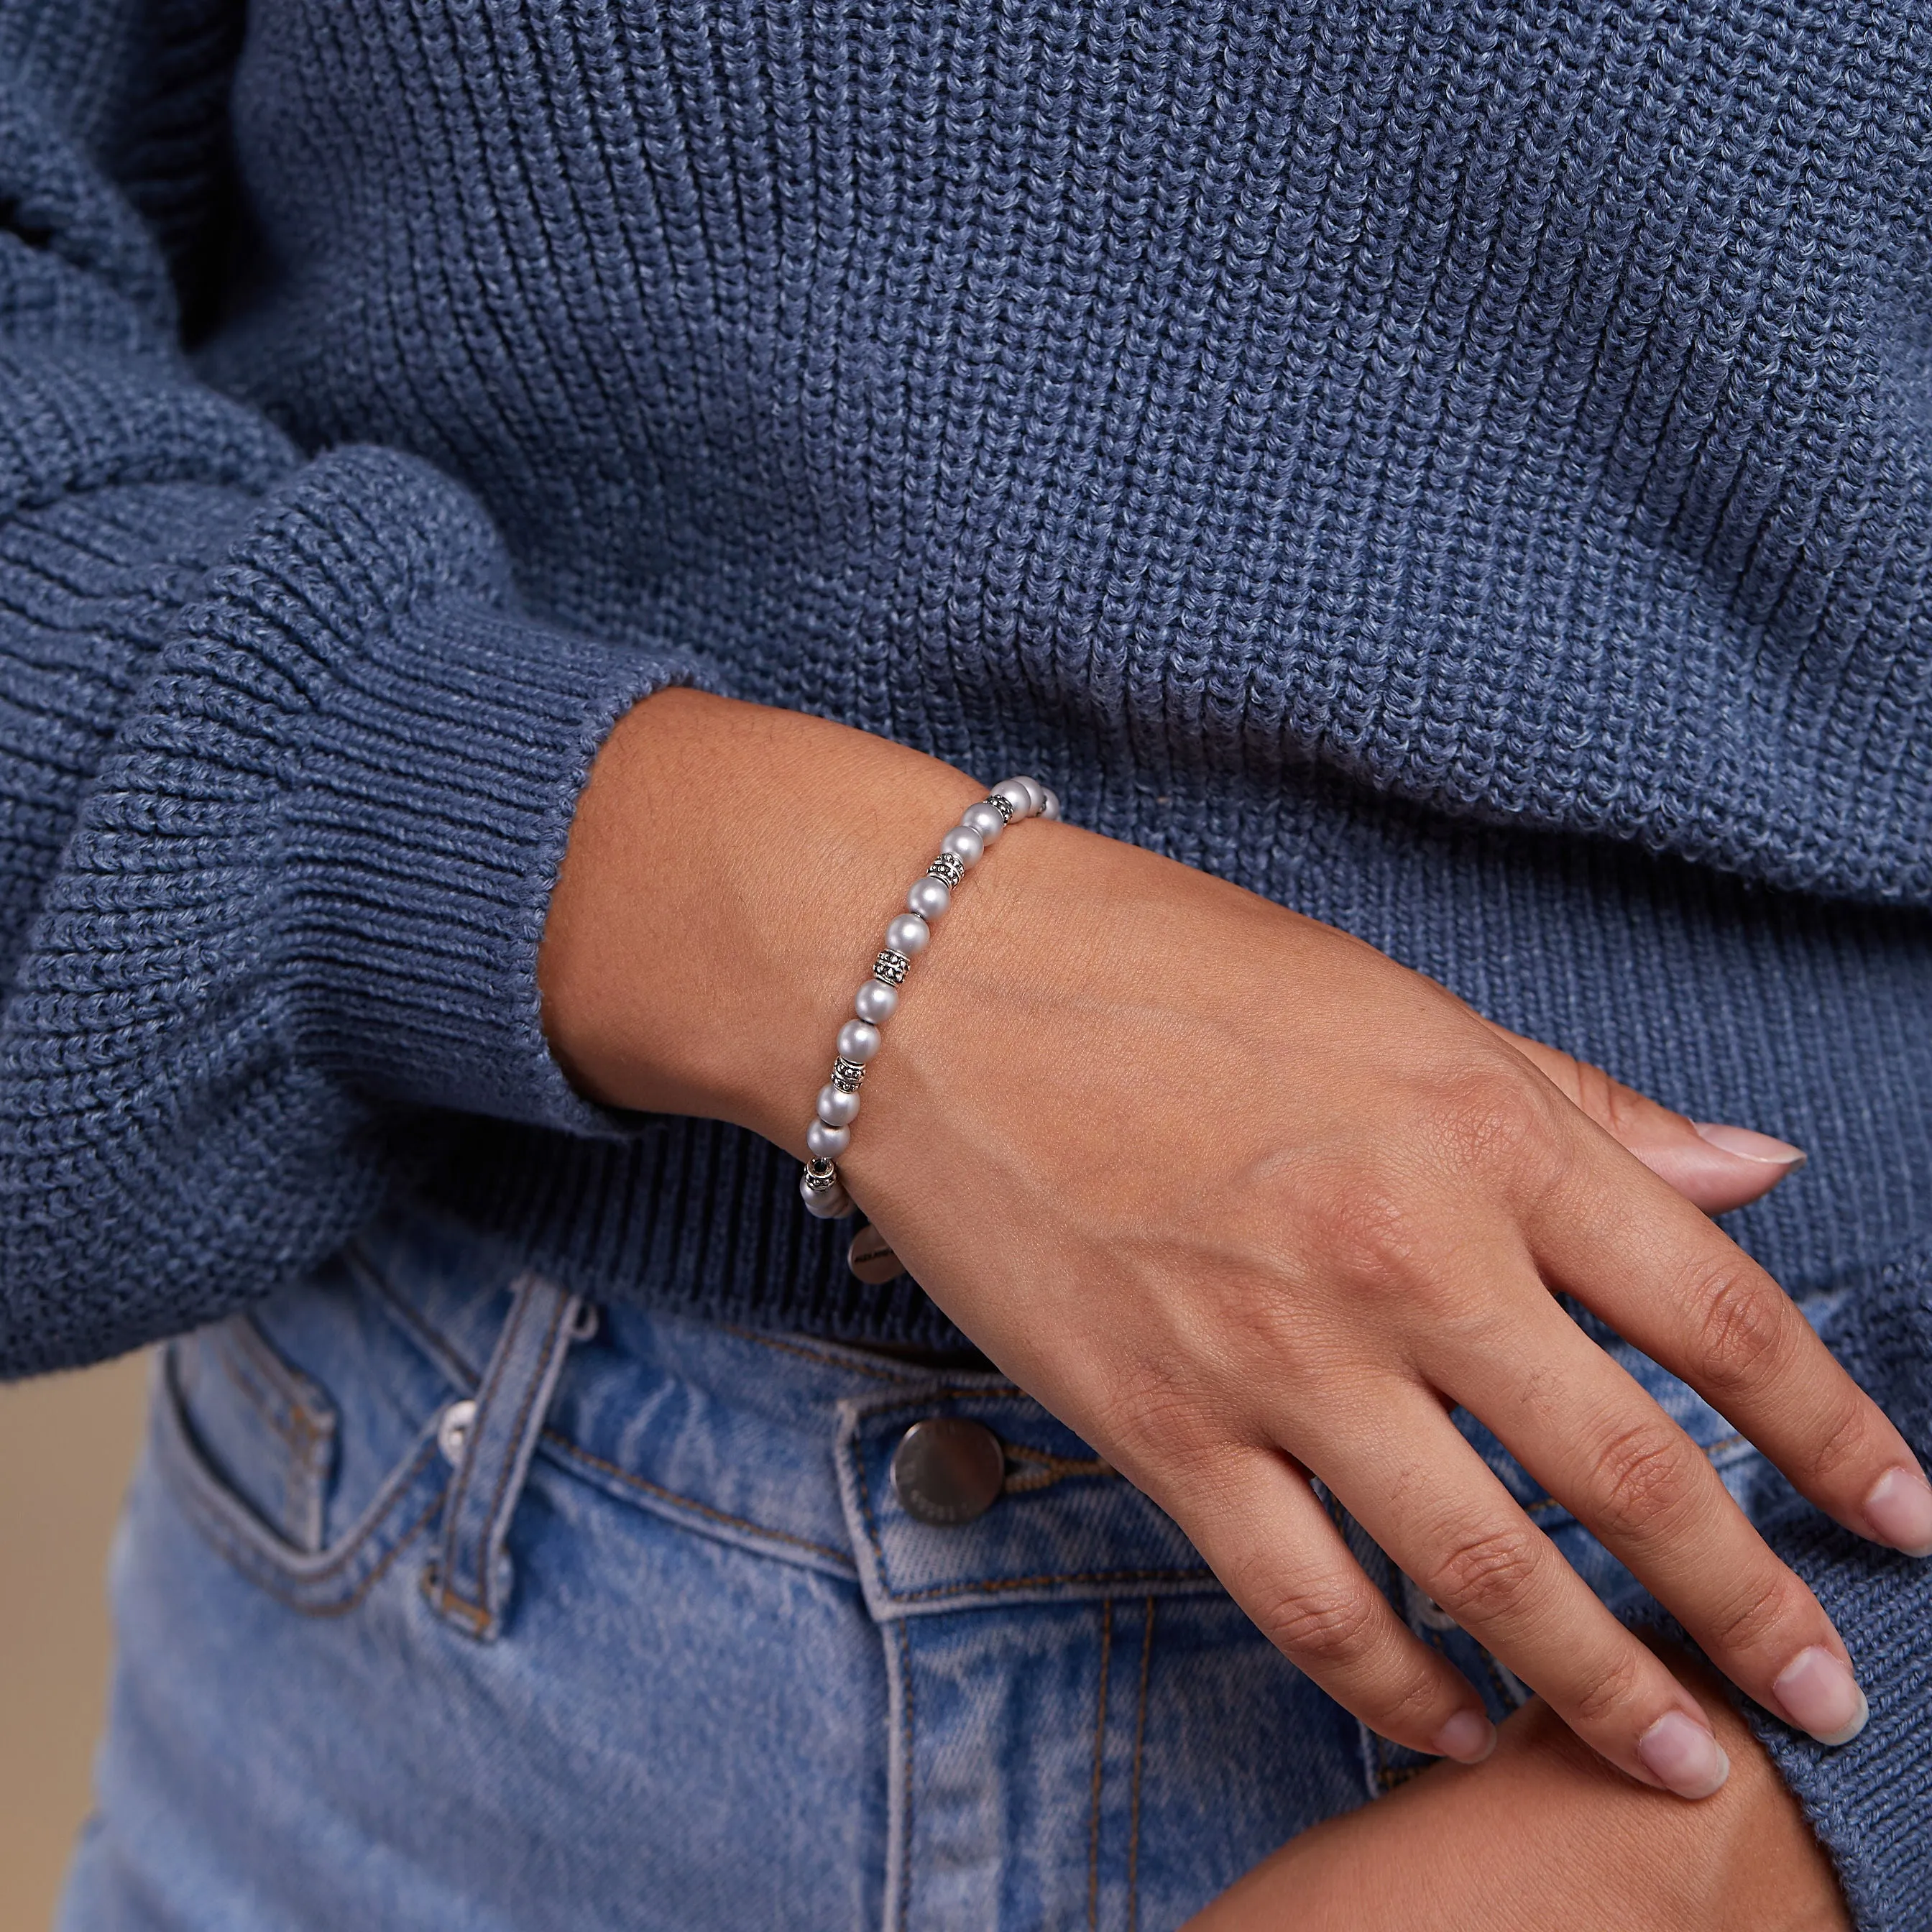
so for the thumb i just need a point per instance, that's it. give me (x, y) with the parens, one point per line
(1714, 1167)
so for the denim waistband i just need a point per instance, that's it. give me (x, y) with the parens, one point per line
(782, 1442)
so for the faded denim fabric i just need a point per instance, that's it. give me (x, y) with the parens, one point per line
(443, 1602)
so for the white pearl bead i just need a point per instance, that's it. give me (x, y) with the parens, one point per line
(836, 1107)
(928, 898)
(908, 933)
(1014, 791)
(984, 819)
(1035, 793)
(828, 1203)
(875, 1001)
(827, 1142)
(965, 844)
(858, 1041)
(1050, 809)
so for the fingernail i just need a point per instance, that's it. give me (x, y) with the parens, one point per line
(1751, 1145)
(1899, 1508)
(1682, 1756)
(1469, 1737)
(1820, 1695)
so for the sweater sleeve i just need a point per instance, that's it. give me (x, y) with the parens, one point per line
(285, 771)
(1870, 1801)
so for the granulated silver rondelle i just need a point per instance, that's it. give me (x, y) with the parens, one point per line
(846, 1074)
(889, 968)
(949, 868)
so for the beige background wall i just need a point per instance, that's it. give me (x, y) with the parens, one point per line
(66, 1445)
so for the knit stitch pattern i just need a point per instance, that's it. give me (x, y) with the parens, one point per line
(1462, 471)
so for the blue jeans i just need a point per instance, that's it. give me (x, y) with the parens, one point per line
(445, 1601)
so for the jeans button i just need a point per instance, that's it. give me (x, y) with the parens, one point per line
(947, 1470)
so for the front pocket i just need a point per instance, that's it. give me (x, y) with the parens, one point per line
(264, 1428)
(245, 1482)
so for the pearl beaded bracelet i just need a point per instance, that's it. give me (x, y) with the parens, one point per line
(830, 1133)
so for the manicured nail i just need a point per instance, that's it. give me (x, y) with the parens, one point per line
(1469, 1737)
(1820, 1695)
(1751, 1145)
(1899, 1508)
(1683, 1756)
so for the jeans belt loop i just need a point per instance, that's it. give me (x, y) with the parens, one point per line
(470, 1583)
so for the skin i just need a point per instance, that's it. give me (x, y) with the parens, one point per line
(1241, 1200)
(1545, 1833)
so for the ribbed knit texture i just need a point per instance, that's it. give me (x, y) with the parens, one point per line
(1462, 472)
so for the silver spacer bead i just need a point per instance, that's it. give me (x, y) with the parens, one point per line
(847, 1074)
(820, 1175)
(949, 868)
(889, 968)
(1003, 804)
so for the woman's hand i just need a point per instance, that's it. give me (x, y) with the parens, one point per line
(1241, 1200)
(1544, 1835)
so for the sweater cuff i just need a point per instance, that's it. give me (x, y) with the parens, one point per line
(1870, 1801)
(352, 779)
(421, 842)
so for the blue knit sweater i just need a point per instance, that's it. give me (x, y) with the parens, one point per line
(1464, 470)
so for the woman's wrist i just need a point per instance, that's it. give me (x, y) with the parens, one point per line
(727, 873)
(906, 935)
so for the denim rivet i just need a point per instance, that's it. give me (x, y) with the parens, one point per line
(947, 1470)
(452, 1430)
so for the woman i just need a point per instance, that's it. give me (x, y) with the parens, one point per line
(1423, 487)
